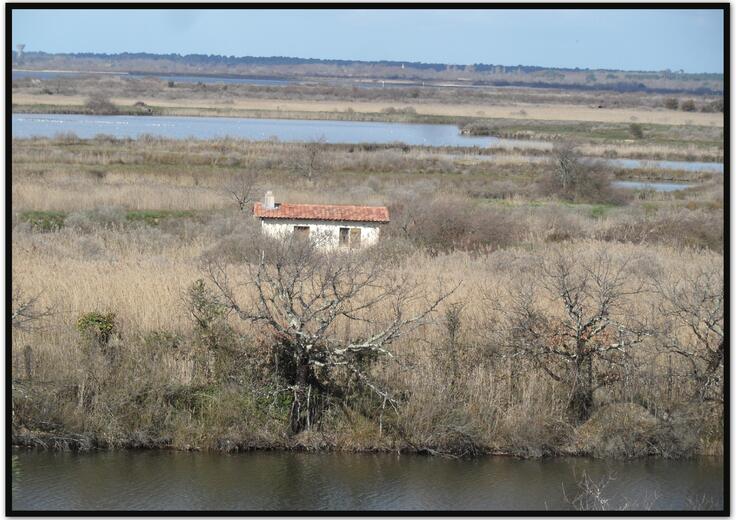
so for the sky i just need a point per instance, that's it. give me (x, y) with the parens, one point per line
(674, 39)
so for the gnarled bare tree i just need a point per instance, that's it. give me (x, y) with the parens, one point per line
(303, 297)
(693, 306)
(570, 320)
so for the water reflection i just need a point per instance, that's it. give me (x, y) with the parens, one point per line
(298, 481)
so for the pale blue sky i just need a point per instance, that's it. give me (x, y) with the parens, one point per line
(618, 39)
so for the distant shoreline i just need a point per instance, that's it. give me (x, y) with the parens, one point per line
(53, 71)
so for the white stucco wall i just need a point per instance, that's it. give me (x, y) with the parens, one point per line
(326, 233)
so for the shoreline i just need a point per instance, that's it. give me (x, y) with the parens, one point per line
(79, 443)
(525, 147)
(550, 113)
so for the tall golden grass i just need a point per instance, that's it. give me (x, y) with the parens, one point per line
(102, 261)
(141, 274)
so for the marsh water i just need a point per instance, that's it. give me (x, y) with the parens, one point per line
(156, 480)
(180, 78)
(178, 127)
(181, 127)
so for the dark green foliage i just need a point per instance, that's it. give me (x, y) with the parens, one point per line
(204, 305)
(479, 129)
(636, 130)
(44, 221)
(154, 217)
(219, 352)
(97, 326)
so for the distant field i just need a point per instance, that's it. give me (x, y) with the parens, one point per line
(549, 112)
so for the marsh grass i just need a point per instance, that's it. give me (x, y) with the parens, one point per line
(153, 391)
(153, 210)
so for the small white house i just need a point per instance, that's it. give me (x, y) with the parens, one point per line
(330, 226)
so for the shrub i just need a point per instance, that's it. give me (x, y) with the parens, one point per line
(698, 229)
(97, 326)
(401, 110)
(67, 138)
(570, 178)
(99, 104)
(44, 221)
(636, 131)
(687, 106)
(671, 103)
(479, 129)
(713, 106)
(452, 222)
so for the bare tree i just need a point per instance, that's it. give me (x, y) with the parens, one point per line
(26, 311)
(242, 187)
(308, 161)
(567, 319)
(693, 306)
(299, 295)
(573, 177)
(567, 164)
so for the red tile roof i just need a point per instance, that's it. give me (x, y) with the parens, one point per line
(323, 212)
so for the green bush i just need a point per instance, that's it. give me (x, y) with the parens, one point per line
(204, 305)
(637, 132)
(154, 217)
(44, 221)
(97, 326)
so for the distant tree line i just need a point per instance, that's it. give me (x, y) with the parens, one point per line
(216, 59)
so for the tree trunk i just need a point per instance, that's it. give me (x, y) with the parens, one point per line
(300, 408)
(581, 402)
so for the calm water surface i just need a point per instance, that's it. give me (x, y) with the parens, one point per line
(180, 127)
(85, 126)
(53, 74)
(668, 165)
(298, 481)
(656, 186)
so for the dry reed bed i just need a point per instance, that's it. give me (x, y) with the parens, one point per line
(142, 274)
(552, 111)
(268, 155)
(101, 261)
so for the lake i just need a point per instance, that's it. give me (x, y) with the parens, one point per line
(85, 126)
(166, 480)
(181, 127)
(180, 78)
